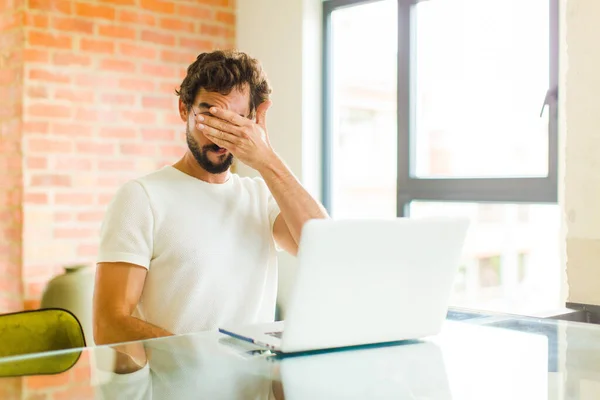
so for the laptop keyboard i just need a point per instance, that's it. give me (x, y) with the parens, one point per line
(275, 334)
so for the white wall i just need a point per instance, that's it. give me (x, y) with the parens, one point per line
(580, 119)
(285, 35)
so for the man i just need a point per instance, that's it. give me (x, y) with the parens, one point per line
(192, 246)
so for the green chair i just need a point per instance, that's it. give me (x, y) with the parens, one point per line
(38, 331)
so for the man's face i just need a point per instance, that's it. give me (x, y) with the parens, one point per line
(209, 156)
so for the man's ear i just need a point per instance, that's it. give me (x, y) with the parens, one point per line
(183, 111)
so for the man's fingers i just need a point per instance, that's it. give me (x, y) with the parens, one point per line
(219, 124)
(229, 116)
(222, 143)
(215, 134)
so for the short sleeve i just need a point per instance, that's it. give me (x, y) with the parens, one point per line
(126, 234)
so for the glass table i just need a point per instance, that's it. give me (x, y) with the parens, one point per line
(476, 356)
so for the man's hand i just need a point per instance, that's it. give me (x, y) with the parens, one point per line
(245, 139)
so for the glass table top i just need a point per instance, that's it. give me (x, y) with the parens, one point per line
(476, 356)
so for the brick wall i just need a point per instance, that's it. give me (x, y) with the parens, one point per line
(11, 186)
(86, 102)
(99, 109)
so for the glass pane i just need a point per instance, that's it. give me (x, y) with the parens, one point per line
(363, 158)
(511, 257)
(482, 71)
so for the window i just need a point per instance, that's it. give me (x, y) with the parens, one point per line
(450, 107)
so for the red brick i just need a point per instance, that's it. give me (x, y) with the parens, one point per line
(9, 76)
(44, 39)
(96, 81)
(77, 25)
(117, 32)
(105, 198)
(36, 56)
(97, 46)
(222, 3)
(49, 111)
(117, 65)
(182, 73)
(81, 372)
(36, 163)
(75, 95)
(82, 392)
(74, 199)
(178, 57)
(134, 17)
(33, 290)
(73, 233)
(216, 30)
(10, 21)
(95, 148)
(60, 6)
(34, 305)
(167, 88)
(118, 99)
(138, 149)
(35, 20)
(49, 146)
(137, 51)
(62, 216)
(166, 39)
(165, 7)
(71, 59)
(177, 24)
(90, 216)
(50, 180)
(10, 162)
(94, 11)
(118, 133)
(122, 2)
(14, 57)
(91, 115)
(194, 11)
(139, 117)
(111, 181)
(225, 17)
(116, 165)
(35, 127)
(37, 92)
(158, 102)
(73, 164)
(71, 130)
(10, 111)
(48, 76)
(171, 151)
(87, 250)
(158, 70)
(158, 134)
(196, 45)
(84, 359)
(172, 118)
(140, 85)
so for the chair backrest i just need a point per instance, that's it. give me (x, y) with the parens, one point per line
(38, 331)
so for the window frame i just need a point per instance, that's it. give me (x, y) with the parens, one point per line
(535, 190)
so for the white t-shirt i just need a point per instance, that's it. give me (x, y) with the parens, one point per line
(208, 248)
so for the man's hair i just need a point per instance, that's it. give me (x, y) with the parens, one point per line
(222, 71)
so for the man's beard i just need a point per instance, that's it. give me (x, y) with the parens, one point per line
(201, 155)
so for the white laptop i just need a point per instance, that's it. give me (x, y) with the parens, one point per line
(365, 282)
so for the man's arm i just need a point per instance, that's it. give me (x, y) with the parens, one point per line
(116, 294)
(248, 141)
(297, 206)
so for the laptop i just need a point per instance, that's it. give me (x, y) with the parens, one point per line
(365, 282)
